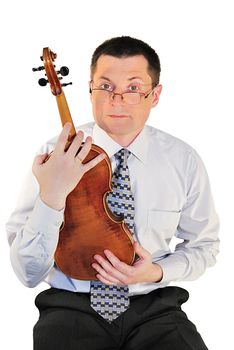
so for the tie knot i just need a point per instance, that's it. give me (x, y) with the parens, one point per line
(122, 155)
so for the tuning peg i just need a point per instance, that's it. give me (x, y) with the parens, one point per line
(63, 71)
(42, 82)
(65, 84)
(37, 69)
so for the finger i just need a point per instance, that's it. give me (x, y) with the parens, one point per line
(109, 269)
(62, 139)
(108, 282)
(92, 163)
(85, 148)
(76, 143)
(104, 274)
(141, 252)
(119, 265)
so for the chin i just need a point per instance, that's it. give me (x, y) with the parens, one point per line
(119, 126)
(118, 129)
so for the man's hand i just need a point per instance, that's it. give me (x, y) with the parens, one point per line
(60, 174)
(112, 271)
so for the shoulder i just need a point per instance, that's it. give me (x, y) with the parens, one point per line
(166, 140)
(167, 143)
(172, 150)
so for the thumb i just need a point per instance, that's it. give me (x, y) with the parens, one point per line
(141, 252)
(38, 160)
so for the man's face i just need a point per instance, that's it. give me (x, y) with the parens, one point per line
(120, 75)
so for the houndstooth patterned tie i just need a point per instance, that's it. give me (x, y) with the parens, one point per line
(111, 301)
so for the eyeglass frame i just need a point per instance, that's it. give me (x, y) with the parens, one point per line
(112, 93)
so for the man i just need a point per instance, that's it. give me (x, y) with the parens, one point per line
(168, 193)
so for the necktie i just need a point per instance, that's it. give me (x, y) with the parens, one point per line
(111, 301)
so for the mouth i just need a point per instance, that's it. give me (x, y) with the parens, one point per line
(118, 116)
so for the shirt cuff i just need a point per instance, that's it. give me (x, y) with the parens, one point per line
(44, 218)
(173, 267)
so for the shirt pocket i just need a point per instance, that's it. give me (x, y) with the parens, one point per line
(163, 223)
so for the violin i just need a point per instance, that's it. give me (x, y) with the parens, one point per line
(89, 225)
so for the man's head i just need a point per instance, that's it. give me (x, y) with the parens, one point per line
(125, 46)
(124, 86)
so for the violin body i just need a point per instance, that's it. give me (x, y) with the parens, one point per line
(89, 226)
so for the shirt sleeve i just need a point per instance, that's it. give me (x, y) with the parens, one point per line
(198, 229)
(33, 231)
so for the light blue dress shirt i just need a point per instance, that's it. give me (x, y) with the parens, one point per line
(172, 199)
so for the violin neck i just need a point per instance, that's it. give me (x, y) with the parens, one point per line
(65, 114)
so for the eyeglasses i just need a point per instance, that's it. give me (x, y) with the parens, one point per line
(132, 98)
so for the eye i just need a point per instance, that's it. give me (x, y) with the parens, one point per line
(134, 88)
(106, 86)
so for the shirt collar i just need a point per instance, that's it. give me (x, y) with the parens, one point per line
(138, 147)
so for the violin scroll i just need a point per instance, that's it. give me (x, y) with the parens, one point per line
(52, 77)
(48, 59)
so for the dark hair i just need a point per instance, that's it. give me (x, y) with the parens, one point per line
(126, 46)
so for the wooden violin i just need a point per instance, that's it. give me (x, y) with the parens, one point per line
(89, 226)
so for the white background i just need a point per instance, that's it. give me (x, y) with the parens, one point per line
(194, 40)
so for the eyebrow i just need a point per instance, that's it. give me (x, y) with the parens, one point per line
(130, 79)
(135, 78)
(105, 78)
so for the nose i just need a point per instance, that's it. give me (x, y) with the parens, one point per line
(117, 98)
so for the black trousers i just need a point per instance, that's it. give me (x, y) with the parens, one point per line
(153, 321)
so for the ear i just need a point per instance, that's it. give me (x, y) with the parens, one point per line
(90, 91)
(156, 94)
